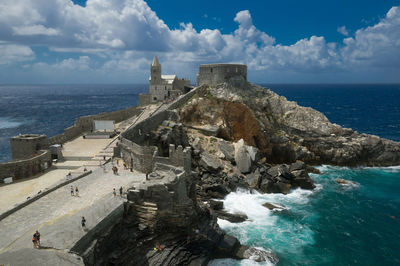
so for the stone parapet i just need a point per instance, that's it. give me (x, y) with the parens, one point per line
(25, 168)
(85, 123)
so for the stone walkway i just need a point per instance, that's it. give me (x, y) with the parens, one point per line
(87, 153)
(57, 215)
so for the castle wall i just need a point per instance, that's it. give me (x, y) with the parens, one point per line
(85, 123)
(144, 99)
(134, 143)
(215, 74)
(25, 146)
(160, 92)
(25, 168)
(180, 84)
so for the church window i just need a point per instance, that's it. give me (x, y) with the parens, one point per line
(165, 87)
(211, 70)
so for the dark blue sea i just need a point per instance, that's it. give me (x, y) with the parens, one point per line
(357, 224)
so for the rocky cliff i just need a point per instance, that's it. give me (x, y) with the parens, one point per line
(282, 130)
(241, 135)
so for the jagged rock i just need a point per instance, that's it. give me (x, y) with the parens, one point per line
(228, 244)
(302, 180)
(269, 186)
(196, 144)
(254, 179)
(216, 205)
(233, 218)
(342, 181)
(216, 190)
(227, 150)
(298, 165)
(273, 206)
(210, 162)
(242, 157)
(275, 171)
(313, 170)
(257, 255)
(253, 152)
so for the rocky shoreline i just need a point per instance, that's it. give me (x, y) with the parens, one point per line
(241, 136)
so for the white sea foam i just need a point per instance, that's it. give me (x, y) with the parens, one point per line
(6, 122)
(390, 169)
(267, 228)
(232, 262)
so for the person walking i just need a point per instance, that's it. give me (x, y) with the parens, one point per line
(76, 191)
(37, 236)
(72, 190)
(83, 222)
(114, 192)
(34, 241)
(120, 192)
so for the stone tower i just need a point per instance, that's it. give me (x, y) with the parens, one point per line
(155, 72)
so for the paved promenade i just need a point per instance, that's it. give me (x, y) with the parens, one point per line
(58, 215)
(87, 153)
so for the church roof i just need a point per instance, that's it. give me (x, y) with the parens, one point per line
(155, 62)
(168, 77)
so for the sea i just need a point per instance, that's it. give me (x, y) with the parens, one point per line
(355, 224)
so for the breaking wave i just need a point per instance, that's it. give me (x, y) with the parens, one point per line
(7, 122)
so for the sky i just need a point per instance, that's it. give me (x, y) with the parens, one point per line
(114, 41)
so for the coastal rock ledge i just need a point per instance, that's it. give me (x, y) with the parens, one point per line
(281, 130)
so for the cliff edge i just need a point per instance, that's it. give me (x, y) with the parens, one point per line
(282, 130)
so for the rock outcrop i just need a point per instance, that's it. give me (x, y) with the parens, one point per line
(163, 224)
(282, 130)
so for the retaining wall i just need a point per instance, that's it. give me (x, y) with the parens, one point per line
(27, 167)
(85, 123)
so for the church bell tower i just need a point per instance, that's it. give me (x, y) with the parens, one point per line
(155, 72)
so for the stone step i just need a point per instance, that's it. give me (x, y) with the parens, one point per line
(67, 167)
(77, 158)
(145, 208)
(149, 204)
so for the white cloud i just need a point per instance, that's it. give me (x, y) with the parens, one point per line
(35, 30)
(13, 53)
(343, 30)
(127, 33)
(378, 45)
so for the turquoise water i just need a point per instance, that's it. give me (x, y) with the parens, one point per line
(357, 224)
(332, 225)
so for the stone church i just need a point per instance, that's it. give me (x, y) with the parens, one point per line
(163, 87)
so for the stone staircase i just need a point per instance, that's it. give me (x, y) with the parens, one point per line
(146, 213)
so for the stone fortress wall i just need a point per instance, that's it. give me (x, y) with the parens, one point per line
(30, 154)
(214, 74)
(25, 146)
(85, 123)
(144, 158)
(25, 168)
